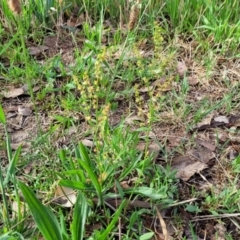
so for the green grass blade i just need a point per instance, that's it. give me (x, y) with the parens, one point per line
(75, 185)
(84, 154)
(12, 165)
(105, 234)
(79, 217)
(146, 191)
(4, 208)
(93, 178)
(2, 115)
(63, 226)
(44, 218)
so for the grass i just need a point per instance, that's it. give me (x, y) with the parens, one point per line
(111, 112)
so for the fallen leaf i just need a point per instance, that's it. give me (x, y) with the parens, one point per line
(201, 154)
(234, 120)
(36, 51)
(192, 80)
(205, 123)
(206, 144)
(65, 196)
(163, 225)
(19, 136)
(151, 147)
(130, 120)
(25, 146)
(181, 68)
(124, 185)
(220, 232)
(25, 87)
(221, 119)
(146, 89)
(24, 111)
(187, 167)
(11, 114)
(158, 82)
(28, 168)
(71, 22)
(150, 134)
(13, 93)
(87, 143)
(50, 41)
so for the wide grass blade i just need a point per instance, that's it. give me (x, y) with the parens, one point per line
(79, 217)
(44, 218)
(87, 165)
(93, 178)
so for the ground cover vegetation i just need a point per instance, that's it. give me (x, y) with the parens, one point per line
(119, 119)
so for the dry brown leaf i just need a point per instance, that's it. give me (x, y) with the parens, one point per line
(150, 134)
(221, 119)
(24, 111)
(181, 68)
(146, 89)
(163, 225)
(19, 136)
(192, 80)
(65, 196)
(205, 122)
(201, 154)
(36, 51)
(28, 168)
(25, 88)
(25, 146)
(124, 184)
(50, 41)
(187, 167)
(15, 6)
(71, 22)
(235, 120)
(158, 82)
(151, 147)
(220, 232)
(87, 142)
(206, 144)
(13, 93)
(130, 120)
(11, 114)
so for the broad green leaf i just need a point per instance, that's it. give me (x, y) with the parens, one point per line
(147, 236)
(79, 217)
(44, 218)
